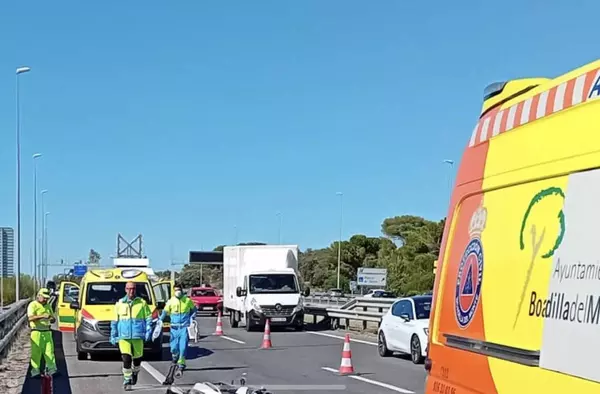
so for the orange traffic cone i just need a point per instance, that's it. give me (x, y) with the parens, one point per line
(266, 343)
(219, 330)
(346, 365)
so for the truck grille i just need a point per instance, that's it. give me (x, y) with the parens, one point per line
(271, 310)
(104, 328)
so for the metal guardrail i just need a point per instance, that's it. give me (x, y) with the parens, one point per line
(11, 321)
(360, 309)
(328, 300)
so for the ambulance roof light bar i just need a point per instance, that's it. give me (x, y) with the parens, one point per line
(493, 89)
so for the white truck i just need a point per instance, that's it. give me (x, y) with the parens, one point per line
(260, 282)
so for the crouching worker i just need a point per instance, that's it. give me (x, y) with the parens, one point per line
(131, 325)
(182, 312)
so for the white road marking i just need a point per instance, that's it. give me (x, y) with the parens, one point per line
(374, 382)
(233, 339)
(342, 338)
(159, 376)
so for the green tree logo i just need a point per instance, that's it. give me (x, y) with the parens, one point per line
(536, 241)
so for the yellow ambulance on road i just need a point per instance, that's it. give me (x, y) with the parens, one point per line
(516, 305)
(88, 316)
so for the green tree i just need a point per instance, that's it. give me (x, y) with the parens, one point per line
(26, 286)
(94, 257)
(409, 265)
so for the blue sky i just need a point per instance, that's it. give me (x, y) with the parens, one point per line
(182, 119)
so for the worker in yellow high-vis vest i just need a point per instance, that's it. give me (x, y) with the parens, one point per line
(41, 317)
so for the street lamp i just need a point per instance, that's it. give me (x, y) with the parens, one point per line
(280, 219)
(19, 71)
(41, 244)
(340, 242)
(45, 247)
(35, 219)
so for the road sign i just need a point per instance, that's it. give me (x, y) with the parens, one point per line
(372, 277)
(353, 285)
(79, 269)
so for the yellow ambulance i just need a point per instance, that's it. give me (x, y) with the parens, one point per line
(86, 309)
(516, 305)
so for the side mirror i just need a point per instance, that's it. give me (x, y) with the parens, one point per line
(306, 292)
(240, 292)
(74, 305)
(405, 317)
(160, 305)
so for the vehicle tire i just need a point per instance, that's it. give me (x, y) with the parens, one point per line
(415, 350)
(382, 348)
(299, 327)
(233, 320)
(155, 355)
(80, 355)
(248, 324)
(335, 323)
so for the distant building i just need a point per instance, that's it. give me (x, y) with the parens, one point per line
(7, 251)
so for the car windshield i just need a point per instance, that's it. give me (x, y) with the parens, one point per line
(273, 283)
(423, 307)
(203, 293)
(109, 293)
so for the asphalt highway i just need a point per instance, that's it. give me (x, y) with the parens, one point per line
(299, 362)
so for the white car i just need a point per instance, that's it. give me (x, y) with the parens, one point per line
(405, 328)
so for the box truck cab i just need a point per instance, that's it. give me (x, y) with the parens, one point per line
(261, 282)
(516, 305)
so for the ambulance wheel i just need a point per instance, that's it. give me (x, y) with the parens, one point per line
(80, 355)
(155, 355)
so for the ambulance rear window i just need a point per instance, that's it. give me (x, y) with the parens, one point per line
(109, 293)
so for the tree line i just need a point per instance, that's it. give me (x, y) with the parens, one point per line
(408, 247)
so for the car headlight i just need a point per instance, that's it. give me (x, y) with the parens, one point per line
(300, 305)
(255, 305)
(426, 330)
(89, 323)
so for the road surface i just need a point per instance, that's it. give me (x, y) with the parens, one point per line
(299, 362)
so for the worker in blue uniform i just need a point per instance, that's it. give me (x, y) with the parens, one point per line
(182, 312)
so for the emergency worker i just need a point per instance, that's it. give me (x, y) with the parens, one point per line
(182, 312)
(40, 316)
(131, 325)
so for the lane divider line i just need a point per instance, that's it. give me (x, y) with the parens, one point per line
(342, 338)
(159, 377)
(232, 339)
(373, 382)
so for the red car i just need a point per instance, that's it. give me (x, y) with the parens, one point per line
(206, 299)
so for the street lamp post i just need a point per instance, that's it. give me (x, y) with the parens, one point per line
(280, 220)
(35, 219)
(45, 246)
(41, 243)
(19, 71)
(340, 242)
